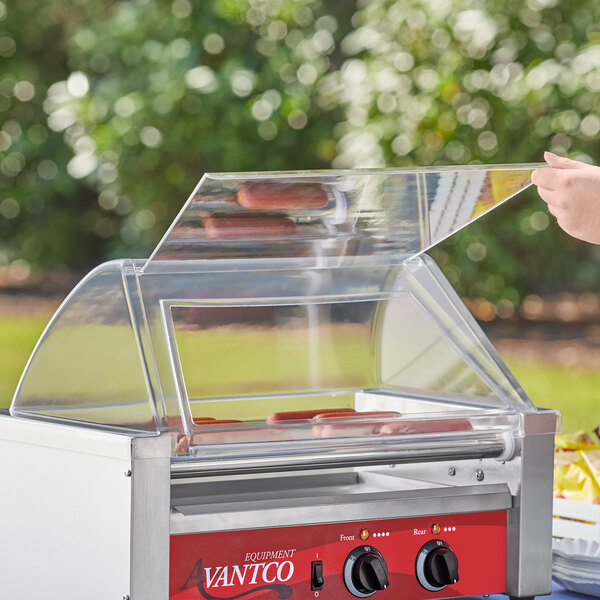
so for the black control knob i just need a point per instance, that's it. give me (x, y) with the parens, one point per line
(441, 567)
(370, 573)
(365, 572)
(436, 566)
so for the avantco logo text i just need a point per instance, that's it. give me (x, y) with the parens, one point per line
(256, 571)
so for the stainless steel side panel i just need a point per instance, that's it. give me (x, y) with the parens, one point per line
(529, 549)
(334, 508)
(150, 518)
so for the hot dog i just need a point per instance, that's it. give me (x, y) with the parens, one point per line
(281, 196)
(336, 424)
(300, 415)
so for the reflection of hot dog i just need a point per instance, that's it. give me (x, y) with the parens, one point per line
(426, 426)
(177, 422)
(247, 227)
(281, 196)
(174, 421)
(337, 424)
(344, 416)
(231, 432)
(299, 415)
(183, 441)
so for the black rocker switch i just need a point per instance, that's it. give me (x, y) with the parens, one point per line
(316, 579)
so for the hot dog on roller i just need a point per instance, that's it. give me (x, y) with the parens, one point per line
(303, 415)
(338, 424)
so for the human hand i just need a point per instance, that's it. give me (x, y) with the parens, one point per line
(571, 189)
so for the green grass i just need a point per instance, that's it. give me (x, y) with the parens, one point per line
(574, 391)
(18, 336)
(238, 362)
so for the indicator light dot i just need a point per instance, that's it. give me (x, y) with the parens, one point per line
(364, 534)
(436, 528)
(454, 529)
(445, 529)
(387, 533)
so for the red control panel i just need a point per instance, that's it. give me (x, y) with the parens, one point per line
(394, 559)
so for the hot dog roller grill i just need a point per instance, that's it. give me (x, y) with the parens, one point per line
(286, 400)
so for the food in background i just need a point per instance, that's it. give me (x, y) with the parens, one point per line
(577, 468)
(592, 459)
(572, 441)
(573, 477)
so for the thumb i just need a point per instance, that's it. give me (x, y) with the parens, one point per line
(560, 162)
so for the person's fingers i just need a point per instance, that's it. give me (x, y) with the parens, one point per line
(565, 222)
(551, 197)
(555, 211)
(545, 178)
(560, 162)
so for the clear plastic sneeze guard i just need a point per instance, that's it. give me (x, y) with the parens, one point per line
(289, 315)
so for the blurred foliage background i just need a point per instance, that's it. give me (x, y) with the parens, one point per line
(111, 112)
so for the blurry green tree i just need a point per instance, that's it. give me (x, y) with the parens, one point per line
(129, 105)
(110, 113)
(42, 208)
(441, 82)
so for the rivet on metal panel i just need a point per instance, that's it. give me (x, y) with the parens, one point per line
(127, 596)
(452, 471)
(128, 473)
(480, 475)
